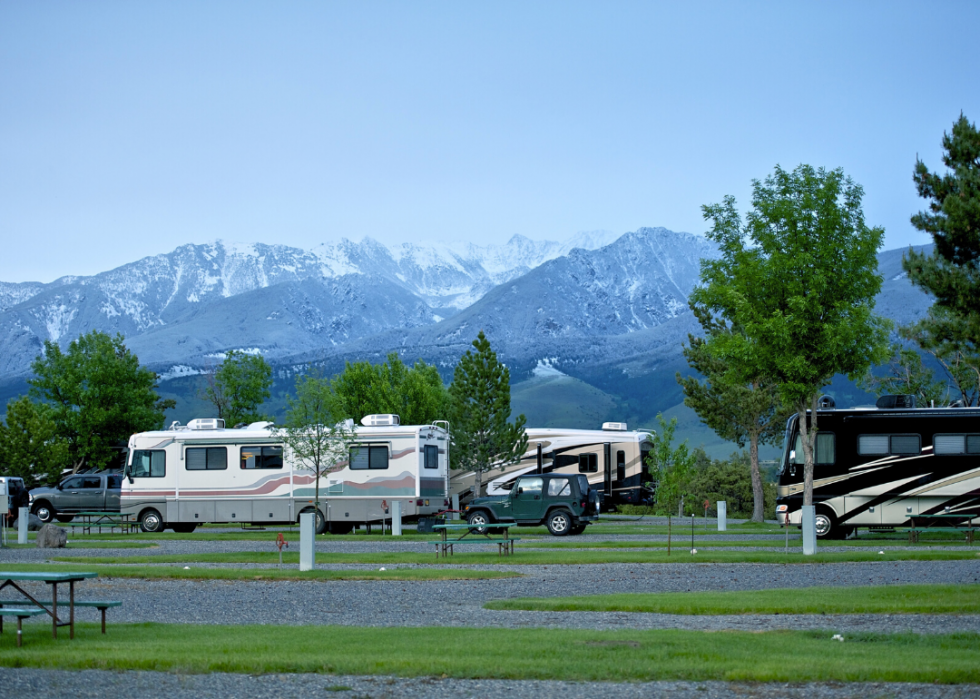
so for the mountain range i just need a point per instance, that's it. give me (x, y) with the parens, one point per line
(591, 328)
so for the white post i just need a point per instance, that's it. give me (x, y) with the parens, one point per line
(722, 515)
(307, 541)
(22, 517)
(396, 517)
(455, 514)
(809, 530)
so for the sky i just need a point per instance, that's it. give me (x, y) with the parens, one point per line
(128, 129)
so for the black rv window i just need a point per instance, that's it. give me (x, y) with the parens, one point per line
(261, 457)
(368, 457)
(956, 444)
(563, 460)
(882, 444)
(148, 464)
(206, 458)
(431, 456)
(826, 449)
(588, 463)
(620, 465)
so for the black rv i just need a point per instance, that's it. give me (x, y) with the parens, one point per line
(876, 467)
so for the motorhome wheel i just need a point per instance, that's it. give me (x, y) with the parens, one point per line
(825, 524)
(151, 522)
(320, 524)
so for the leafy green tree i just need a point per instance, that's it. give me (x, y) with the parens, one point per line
(238, 386)
(959, 360)
(729, 480)
(482, 438)
(672, 467)
(30, 444)
(799, 278)
(952, 272)
(416, 394)
(737, 411)
(317, 443)
(99, 396)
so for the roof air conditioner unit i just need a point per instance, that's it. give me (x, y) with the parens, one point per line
(380, 420)
(826, 403)
(206, 423)
(614, 426)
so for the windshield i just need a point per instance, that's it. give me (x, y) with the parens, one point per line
(788, 442)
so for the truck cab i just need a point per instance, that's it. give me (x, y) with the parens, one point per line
(84, 492)
(563, 502)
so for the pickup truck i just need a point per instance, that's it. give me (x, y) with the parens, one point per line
(89, 492)
(563, 502)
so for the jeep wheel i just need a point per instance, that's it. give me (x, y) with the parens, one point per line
(560, 523)
(479, 518)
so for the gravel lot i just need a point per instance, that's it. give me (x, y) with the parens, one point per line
(396, 603)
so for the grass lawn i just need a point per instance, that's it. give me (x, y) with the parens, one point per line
(568, 654)
(886, 599)
(177, 573)
(530, 556)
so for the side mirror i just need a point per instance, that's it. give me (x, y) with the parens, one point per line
(61, 486)
(130, 477)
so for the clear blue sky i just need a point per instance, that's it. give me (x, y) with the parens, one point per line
(128, 128)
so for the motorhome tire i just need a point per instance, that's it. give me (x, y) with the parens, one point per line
(151, 522)
(825, 524)
(560, 522)
(42, 510)
(183, 527)
(320, 523)
(480, 517)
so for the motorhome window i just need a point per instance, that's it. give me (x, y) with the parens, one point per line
(431, 456)
(563, 460)
(621, 465)
(531, 486)
(368, 457)
(588, 463)
(206, 458)
(956, 444)
(148, 464)
(826, 449)
(905, 444)
(262, 457)
(881, 444)
(559, 488)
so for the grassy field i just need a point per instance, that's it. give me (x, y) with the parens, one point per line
(178, 573)
(530, 556)
(573, 655)
(888, 599)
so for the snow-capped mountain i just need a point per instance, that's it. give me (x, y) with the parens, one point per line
(365, 288)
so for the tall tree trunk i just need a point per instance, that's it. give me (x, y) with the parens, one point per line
(758, 495)
(808, 438)
(680, 506)
(477, 483)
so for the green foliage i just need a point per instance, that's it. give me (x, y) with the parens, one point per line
(908, 376)
(238, 386)
(730, 480)
(479, 408)
(738, 411)
(959, 360)
(952, 272)
(671, 467)
(417, 394)
(30, 444)
(317, 444)
(99, 396)
(799, 279)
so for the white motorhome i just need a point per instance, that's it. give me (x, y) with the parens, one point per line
(613, 459)
(204, 473)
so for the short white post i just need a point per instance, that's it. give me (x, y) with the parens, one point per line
(396, 517)
(23, 514)
(809, 530)
(455, 514)
(722, 515)
(307, 541)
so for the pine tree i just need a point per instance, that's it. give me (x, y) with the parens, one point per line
(482, 438)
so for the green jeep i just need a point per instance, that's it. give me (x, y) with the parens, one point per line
(563, 502)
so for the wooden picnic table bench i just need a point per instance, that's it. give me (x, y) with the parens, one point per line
(943, 522)
(21, 613)
(505, 544)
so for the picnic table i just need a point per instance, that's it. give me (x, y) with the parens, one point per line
(505, 544)
(943, 522)
(125, 521)
(53, 579)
